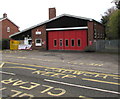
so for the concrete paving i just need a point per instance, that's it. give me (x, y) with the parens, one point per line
(88, 61)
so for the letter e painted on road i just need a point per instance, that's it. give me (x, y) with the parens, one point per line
(33, 85)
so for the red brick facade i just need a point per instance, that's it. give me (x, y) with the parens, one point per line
(90, 31)
(95, 31)
(41, 36)
(8, 28)
(52, 13)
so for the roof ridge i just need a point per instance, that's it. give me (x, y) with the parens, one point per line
(50, 21)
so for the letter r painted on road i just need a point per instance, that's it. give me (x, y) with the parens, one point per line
(8, 81)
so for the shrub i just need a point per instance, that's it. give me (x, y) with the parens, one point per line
(5, 44)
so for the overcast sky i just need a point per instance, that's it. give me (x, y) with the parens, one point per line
(26, 13)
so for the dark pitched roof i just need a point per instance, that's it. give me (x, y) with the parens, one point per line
(89, 19)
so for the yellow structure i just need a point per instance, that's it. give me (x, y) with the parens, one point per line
(14, 44)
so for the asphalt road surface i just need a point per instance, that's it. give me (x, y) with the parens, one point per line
(21, 79)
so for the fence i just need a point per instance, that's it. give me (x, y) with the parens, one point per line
(107, 45)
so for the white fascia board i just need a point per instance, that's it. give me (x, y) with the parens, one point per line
(50, 21)
(14, 34)
(3, 19)
(9, 20)
(70, 28)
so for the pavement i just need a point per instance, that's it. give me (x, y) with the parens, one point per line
(88, 61)
(86, 75)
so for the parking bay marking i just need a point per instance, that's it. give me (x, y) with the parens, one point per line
(80, 86)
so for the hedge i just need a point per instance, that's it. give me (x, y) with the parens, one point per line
(4, 44)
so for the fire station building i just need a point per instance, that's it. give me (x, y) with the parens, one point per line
(64, 32)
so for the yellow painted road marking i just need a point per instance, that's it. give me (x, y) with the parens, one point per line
(83, 97)
(100, 81)
(7, 73)
(91, 64)
(29, 65)
(21, 57)
(21, 68)
(2, 65)
(2, 89)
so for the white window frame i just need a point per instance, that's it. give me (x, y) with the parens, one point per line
(8, 29)
(38, 32)
(38, 44)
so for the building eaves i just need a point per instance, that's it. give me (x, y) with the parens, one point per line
(89, 19)
(1, 19)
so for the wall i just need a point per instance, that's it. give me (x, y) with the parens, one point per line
(99, 31)
(42, 36)
(13, 28)
(90, 31)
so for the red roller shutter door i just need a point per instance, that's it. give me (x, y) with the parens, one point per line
(67, 40)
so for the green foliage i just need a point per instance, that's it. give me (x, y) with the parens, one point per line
(111, 22)
(113, 26)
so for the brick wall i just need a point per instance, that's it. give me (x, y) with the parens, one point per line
(90, 31)
(52, 13)
(42, 36)
(13, 28)
(95, 27)
(100, 31)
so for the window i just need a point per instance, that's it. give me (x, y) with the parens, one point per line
(38, 42)
(95, 31)
(55, 42)
(38, 32)
(61, 44)
(79, 43)
(72, 42)
(8, 29)
(66, 42)
(30, 42)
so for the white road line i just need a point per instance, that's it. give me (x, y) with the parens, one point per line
(80, 86)
(2, 65)
(7, 73)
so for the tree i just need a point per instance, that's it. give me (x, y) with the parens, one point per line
(113, 26)
(106, 17)
(117, 3)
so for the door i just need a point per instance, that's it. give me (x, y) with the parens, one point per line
(67, 40)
